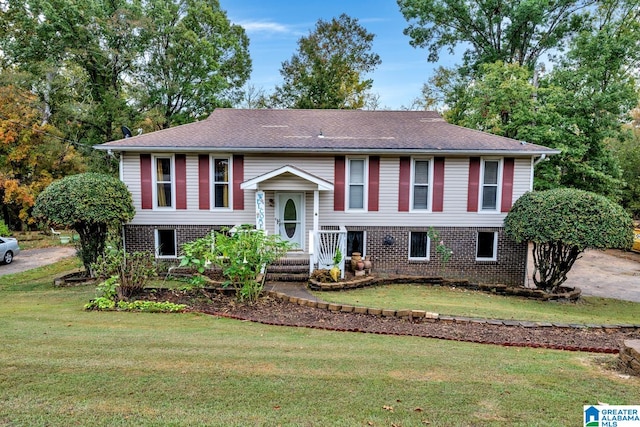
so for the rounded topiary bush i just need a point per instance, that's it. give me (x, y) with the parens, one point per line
(89, 203)
(562, 223)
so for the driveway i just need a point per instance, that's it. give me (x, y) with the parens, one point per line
(607, 274)
(33, 258)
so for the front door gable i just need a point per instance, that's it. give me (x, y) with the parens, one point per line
(272, 180)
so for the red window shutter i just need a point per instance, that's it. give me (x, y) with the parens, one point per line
(238, 178)
(204, 190)
(405, 184)
(338, 182)
(181, 181)
(374, 182)
(474, 184)
(507, 184)
(146, 182)
(438, 184)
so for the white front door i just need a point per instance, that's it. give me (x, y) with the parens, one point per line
(290, 218)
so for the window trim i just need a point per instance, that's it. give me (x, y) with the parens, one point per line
(498, 185)
(494, 257)
(154, 177)
(212, 180)
(426, 258)
(156, 234)
(365, 184)
(429, 207)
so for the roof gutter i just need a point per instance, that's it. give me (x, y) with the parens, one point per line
(431, 151)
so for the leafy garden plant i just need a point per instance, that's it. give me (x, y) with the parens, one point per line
(242, 253)
(131, 270)
(442, 250)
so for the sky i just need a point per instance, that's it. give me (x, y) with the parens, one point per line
(275, 26)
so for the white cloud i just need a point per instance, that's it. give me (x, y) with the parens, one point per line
(264, 27)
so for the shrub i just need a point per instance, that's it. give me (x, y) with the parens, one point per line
(91, 204)
(4, 230)
(242, 254)
(132, 271)
(561, 224)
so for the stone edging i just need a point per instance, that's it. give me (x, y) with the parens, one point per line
(435, 317)
(570, 294)
(630, 357)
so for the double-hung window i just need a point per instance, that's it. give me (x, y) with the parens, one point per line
(357, 177)
(164, 182)
(421, 178)
(419, 244)
(490, 185)
(221, 184)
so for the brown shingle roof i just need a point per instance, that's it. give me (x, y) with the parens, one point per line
(323, 130)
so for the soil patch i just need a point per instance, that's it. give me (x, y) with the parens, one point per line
(274, 311)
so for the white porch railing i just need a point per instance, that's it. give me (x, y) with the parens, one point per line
(323, 246)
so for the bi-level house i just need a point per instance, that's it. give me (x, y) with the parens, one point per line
(379, 180)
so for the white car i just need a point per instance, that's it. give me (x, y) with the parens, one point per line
(8, 249)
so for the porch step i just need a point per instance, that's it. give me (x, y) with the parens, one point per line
(289, 270)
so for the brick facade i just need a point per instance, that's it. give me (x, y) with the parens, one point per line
(141, 238)
(388, 248)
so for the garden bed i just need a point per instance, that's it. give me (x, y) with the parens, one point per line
(273, 310)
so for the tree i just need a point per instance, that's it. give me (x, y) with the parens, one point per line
(196, 60)
(501, 101)
(561, 224)
(97, 65)
(494, 30)
(587, 96)
(91, 204)
(96, 40)
(328, 68)
(626, 149)
(32, 155)
(577, 108)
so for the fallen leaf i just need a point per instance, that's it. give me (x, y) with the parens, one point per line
(388, 408)
(418, 410)
(276, 407)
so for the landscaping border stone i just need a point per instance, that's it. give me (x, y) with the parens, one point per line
(567, 294)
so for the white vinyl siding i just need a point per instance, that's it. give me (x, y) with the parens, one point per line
(456, 175)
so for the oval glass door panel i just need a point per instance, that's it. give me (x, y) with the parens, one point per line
(290, 215)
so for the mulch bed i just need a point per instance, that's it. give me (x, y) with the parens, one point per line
(273, 311)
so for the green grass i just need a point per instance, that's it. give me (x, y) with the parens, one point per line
(38, 239)
(468, 303)
(62, 366)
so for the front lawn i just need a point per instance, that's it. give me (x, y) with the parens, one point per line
(468, 303)
(61, 366)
